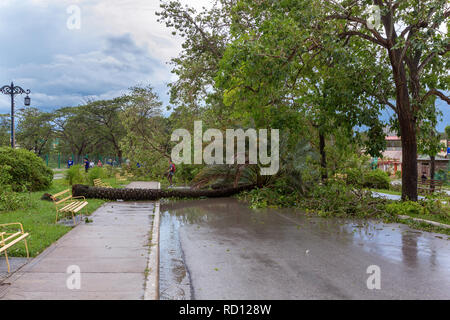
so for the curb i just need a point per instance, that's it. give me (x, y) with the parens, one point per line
(152, 282)
(437, 224)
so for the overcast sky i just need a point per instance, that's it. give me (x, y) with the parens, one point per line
(119, 44)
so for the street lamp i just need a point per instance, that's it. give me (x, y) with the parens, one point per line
(13, 90)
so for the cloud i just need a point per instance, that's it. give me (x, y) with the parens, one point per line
(120, 44)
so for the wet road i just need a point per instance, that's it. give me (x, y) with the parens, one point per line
(220, 249)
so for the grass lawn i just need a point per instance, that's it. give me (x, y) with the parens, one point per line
(387, 191)
(437, 218)
(440, 196)
(38, 219)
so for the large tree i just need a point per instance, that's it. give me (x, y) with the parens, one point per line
(105, 118)
(280, 72)
(147, 131)
(76, 132)
(414, 49)
(34, 130)
(206, 34)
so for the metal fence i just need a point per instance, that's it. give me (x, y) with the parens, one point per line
(60, 161)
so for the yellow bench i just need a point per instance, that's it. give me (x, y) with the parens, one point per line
(120, 178)
(68, 204)
(7, 240)
(99, 183)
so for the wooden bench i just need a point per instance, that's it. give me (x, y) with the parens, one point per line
(429, 186)
(99, 183)
(68, 204)
(8, 239)
(120, 178)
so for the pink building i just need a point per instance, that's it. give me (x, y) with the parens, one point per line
(391, 160)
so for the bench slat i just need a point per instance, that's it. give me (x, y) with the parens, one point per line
(61, 193)
(74, 207)
(11, 236)
(68, 206)
(13, 242)
(84, 204)
(63, 200)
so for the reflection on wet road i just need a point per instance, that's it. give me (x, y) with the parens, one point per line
(174, 279)
(220, 249)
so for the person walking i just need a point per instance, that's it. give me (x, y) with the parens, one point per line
(99, 163)
(170, 172)
(69, 163)
(86, 164)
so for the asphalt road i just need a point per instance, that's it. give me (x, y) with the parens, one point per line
(226, 251)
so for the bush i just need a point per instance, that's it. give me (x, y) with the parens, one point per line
(96, 173)
(377, 179)
(354, 176)
(109, 171)
(10, 200)
(338, 199)
(22, 169)
(74, 174)
(428, 206)
(404, 208)
(269, 197)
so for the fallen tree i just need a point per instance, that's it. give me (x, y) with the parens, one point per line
(152, 194)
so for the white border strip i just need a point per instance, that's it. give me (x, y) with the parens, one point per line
(152, 281)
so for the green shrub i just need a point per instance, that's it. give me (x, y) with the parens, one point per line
(96, 173)
(21, 169)
(74, 174)
(10, 200)
(354, 176)
(404, 208)
(441, 175)
(269, 197)
(338, 199)
(377, 179)
(109, 171)
(5, 175)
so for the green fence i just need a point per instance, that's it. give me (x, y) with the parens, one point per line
(60, 161)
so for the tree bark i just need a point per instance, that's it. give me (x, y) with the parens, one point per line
(409, 163)
(152, 194)
(407, 123)
(432, 170)
(323, 157)
(433, 166)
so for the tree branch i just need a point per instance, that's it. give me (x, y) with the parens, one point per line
(364, 36)
(436, 93)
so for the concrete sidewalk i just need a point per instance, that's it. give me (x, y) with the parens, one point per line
(112, 254)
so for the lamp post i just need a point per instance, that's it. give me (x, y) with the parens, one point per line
(13, 90)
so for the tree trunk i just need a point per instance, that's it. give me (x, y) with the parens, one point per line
(119, 155)
(323, 157)
(407, 123)
(433, 166)
(409, 165)
(126, 194)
